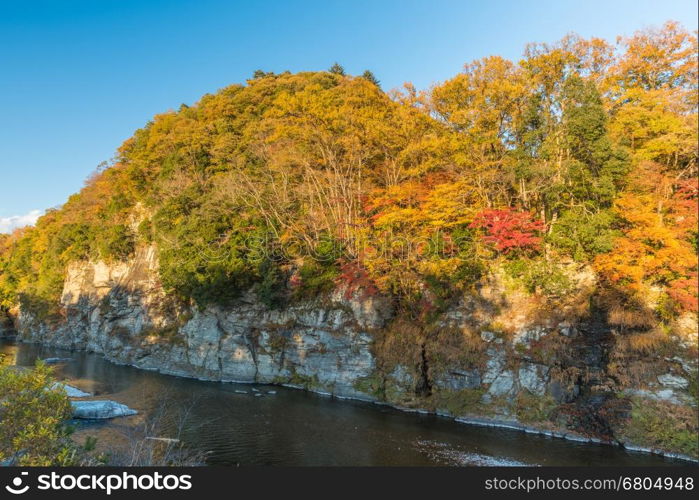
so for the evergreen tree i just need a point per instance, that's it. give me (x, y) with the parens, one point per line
(337, 69)
(368, 75)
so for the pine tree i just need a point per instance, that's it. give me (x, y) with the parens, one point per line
(368, 75)
(337, 69)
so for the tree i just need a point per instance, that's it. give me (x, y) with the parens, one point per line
(658, 246)
(509, 231)
(369, 76)
(261, 74)
(32, 417)
(336, 69)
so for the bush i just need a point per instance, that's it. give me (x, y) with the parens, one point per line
(272, 290)
(584, 236)
(538, 276)
(116, 242)
(32, 418)
(314, 278)
(663, 425)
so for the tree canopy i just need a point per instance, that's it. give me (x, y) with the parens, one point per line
(582, 151)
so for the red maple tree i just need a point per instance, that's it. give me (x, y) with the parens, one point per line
(509, 230)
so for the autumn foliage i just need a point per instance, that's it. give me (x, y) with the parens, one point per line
(509, 231)
(293, 184)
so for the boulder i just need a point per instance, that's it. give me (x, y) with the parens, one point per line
(72, 392)
(673, 381)
(100, 409)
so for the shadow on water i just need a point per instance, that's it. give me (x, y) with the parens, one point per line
(235, 425)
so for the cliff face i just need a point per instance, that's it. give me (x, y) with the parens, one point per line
(486, 357)
(122, 312)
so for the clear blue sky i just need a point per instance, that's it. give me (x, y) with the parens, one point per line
(77, 77)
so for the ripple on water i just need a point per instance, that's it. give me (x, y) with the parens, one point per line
(445, 454)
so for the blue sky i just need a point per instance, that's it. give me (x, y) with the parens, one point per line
(77, 77)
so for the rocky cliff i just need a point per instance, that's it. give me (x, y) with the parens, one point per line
(492, 357)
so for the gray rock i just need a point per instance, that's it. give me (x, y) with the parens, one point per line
(457, 380)
(662, 395)
(503, 384)
(526, 337)
(533, 378)
(561, 393)
(487, 336)
(494, 366)
(568, 331)
(673, 381)
(689, 367)
(71, 391)
(401, 376)
(100, 409)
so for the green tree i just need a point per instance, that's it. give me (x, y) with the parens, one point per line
(368, 75)
(336, 69)
(33, 412)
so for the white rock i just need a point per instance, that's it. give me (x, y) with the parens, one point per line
(71, 391)
(533, 378)
(502, 385)
(100, 409)
(528, 336)
(667, 395)
(673, 381)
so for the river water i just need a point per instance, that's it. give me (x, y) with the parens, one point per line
(235, 425)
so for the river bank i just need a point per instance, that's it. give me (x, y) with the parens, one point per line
(343, 425)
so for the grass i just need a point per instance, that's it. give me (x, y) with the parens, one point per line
(463, 402)
(531, 408)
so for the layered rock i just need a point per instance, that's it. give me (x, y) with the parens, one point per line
(122, 312)
(483, 358)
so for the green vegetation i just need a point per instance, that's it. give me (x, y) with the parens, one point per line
(662, 425)
(32, 419)
(461, 403)
(580, 151)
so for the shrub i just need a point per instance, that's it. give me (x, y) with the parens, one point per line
(33, 415)
(582, 235)
(539, 276)
(663, 425)
(272, 289)
(314, 278)
(115, 242)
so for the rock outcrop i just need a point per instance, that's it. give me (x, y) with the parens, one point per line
(484, 359)
(121, 312)
(100, 409)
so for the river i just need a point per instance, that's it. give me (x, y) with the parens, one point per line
(234, 425)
